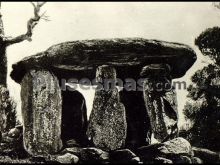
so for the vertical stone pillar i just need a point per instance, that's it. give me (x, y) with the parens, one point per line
(107, 124)
(41, 112)
(161, 102)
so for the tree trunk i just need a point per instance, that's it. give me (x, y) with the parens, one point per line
(3, 65)
(3, 59)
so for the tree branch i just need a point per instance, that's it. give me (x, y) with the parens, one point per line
(216, 4)
(32, 22)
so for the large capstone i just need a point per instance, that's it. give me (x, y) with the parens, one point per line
(41, 112)
(79, 59)
(107, 124)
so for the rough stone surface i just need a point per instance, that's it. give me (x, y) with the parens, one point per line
(94, 155)
(161, 104)
(107, 124)
(66, 159)
(7, 110)
(163, 116)
(183, 159)
(136, 160)
(176, 146)
(206, 155)
(124, 156)
(149, 153)
(155, 70)
(171, 116)
(80, 59)
(73, 150)
(196, 160)
(15, 133)
(163, 160)
(41, 112)
(9, 160)
(171, 150)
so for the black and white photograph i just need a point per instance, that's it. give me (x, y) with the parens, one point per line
(109, 82)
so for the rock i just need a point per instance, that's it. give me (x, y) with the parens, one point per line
(73, 150)
(182, 159)
(9, 160)
(94, 155)
(149, 153)
(14, 133)
(67, 159)
(206, 155)
(74, 118)
(138, 123)
(41, 108)
(38, 159)
(79, 59)
(196, 160)
(136, 160)
(160, 102)
(170, 150)
(163, 160)
(107, 123)
(124, 156)
(177, 146)
(7, 110)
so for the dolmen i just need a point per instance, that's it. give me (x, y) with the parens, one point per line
(139, 104)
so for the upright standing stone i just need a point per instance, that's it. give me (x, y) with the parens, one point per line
(41, 112)
(160, 101)
(107, 124)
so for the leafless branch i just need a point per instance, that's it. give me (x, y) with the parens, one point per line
(32, 22)
(216, 4)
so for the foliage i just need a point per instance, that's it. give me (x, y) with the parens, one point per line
(208, 42)
(7, 110)
(204, 109)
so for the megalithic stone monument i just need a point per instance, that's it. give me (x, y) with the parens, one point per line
(128, 57)
(107, 127)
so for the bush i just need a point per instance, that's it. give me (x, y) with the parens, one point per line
(7, 110)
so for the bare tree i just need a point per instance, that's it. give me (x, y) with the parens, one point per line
(216, 4)
(6, 41)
